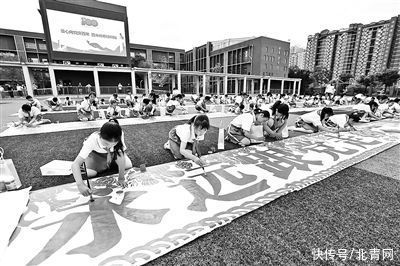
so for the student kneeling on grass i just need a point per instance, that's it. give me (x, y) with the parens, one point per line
(175, 103)
(201, 104)
(54, 104)
(239, 130)
(114, 111)
(30, 116)
(102, 151)
(148, 108)
(85, 109)
(183, 139)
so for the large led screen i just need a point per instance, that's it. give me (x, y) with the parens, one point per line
(75, 33)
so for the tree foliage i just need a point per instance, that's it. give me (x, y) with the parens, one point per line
(321, 76)
(388, 77)
(303, 74)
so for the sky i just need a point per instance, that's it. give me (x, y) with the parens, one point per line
(186, 24)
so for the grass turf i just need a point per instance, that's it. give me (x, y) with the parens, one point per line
(144, 146)
(353, 209)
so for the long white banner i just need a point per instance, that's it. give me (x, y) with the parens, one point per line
(167, 206)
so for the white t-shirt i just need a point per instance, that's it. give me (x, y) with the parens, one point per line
(340, 119)
(383, 107)
(312, 118)
(85, 105)
(35, 103)
(129, 97)
(173, 102)
(395, 108)
(330, 89)
(92, 143)
(111, 110)
(115, 99)
(244, 121)
(186, 133)
(34, 112)
(238, 99)
(362, 107)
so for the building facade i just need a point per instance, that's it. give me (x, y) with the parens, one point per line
(261, 56)
(359, 50)
(297, 57)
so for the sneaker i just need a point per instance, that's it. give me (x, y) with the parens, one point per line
(166, 145)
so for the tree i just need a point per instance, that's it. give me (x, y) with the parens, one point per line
(345, 77)
(343, 81)
(370, 82)
(388, 77)
(303, 74)
(140, 61)
(321, 76)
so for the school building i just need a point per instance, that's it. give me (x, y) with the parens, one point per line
(67, 61)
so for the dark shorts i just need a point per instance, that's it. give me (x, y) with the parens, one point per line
(175, 144)
(38, 118)
(98, 162)
(170, 109)
(235, 134)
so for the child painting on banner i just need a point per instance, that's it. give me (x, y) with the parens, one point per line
(201, 105)
(174, 104)
(86, 110)
(183, 140)
(67, 101)
(315, 121)
(113, 111)
(54, 104)
(343, 122)
(30, 116)
(383, 108)
(102, 150)
(35, 103)
(394, 107)
(369, 110)
(239, 130)
(276, 127)
(134, 106)
(148, 108)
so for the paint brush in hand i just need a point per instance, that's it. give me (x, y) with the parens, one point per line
(91, 196)
(202, 167)
(84, 172)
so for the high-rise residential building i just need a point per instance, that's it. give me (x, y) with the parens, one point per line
(297, 57)
(358, 50)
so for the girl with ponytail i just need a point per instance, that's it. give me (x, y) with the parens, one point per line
(101, 151)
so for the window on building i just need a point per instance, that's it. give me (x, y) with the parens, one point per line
(7, 42)
(265, 57)
(42, 46)
(30, 45)
(266, 49)
(279, 50)
(273, 50)
(160, 56)
(171, 57)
